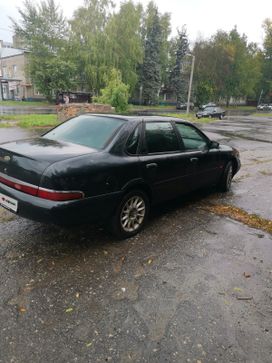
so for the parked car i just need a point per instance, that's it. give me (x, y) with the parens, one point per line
(217, 112)
(110, 168)
(73, 97)
(183, 106)
(264, 107)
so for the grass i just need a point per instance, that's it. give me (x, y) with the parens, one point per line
(29, 121)
(257, 114)
(190, 117)
(135, 108)
(241, 108)
(24, 103)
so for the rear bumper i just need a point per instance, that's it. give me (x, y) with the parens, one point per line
(94, 209)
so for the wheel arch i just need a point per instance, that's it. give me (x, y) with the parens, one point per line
(234, 166)
(138, 184)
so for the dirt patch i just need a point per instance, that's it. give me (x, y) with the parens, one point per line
(5, 216)
(238, 214)
(265, 172)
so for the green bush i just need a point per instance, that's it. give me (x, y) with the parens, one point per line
(116, 93)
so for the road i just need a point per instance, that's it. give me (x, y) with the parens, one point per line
(194, 286)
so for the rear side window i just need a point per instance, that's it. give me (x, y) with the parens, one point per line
(87, 130)
(191, 138)
(160, 137)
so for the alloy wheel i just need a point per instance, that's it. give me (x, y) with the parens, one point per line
(133, 214)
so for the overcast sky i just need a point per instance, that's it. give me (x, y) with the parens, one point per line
(202, 18)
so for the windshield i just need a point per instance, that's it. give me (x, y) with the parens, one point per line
(87, 130)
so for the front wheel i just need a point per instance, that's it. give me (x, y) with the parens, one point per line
(226, 179)
(131, 214)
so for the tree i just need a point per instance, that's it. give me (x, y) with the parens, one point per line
(226, 67)
(151, 70)
(176, 78)
(116, 92)
(43, 30)
(266, 83)
(124, 41)
(88, 44)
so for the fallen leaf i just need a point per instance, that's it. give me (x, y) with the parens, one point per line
(77, 295)
(89, 344)
(247, 275)
(69, 310)
(149, 261)
(237, 289)
(22, 309)
(245, 298)
(123, 289)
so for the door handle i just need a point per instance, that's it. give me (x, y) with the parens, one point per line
(151, 165)
(194, 160)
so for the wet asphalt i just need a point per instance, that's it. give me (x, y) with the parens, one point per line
(192, 287)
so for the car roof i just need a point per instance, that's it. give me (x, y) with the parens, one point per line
(140, 118)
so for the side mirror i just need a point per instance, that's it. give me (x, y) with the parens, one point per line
(214, 145)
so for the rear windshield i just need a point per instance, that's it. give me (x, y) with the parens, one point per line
(91, 131)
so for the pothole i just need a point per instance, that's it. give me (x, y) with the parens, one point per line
(238, 214)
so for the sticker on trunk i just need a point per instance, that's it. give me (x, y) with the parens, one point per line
(9, 203)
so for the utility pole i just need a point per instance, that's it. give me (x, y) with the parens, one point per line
(190, 83)
(260, 98)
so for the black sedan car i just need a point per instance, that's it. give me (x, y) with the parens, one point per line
(110, 168)
(211, 111)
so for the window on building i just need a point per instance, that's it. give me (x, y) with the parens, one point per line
(14, 68)
(5, 74)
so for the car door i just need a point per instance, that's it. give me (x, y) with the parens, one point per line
(206, 160)
(164, 166)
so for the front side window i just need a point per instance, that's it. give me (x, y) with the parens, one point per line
(191, 138)
(86, 130)
(160, 137)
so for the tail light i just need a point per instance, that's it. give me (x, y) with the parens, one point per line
(59, 195)
(49, 194)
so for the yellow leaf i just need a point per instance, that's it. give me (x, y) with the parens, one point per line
(69, 310)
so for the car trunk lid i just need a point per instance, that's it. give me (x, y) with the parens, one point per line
(27, 159)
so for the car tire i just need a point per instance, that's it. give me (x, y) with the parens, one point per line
(131, 215)
(226, 179)
(221, 117)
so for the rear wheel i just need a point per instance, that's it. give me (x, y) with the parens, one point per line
(221, 117)
(226, 179)
(131, 214)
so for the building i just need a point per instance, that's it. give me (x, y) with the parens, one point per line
(14, 82)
